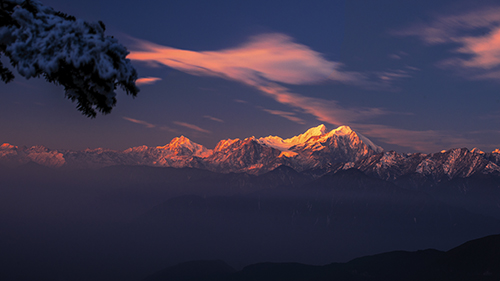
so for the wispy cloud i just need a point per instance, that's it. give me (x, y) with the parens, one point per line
(213, 118)
(477, 35)
(263, 62)
(394, 74)
(324, 110)
(288, 115)
(272, 57)
(412, 68)
(240, 101)
(148, 125)
(147, 80)
(394, 56)
(192, 127)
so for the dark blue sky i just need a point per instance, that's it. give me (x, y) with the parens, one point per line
(410, 75)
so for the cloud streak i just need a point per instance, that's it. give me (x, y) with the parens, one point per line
(192, 127)
(288, 115)
(147, 80)
(151, 126)
(477, 34)
(136, 121)
(324, 110)
(213, 118)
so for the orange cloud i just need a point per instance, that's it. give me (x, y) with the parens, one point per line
(324, 110)
(147, 80)
(273, 57)
(192, 127)
(486, 50)
(476, 32)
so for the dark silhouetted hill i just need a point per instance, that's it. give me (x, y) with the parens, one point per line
(477, 260)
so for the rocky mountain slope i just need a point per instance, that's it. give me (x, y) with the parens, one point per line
(436, 167)
(316, 148)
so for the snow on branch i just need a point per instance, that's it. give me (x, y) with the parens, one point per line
(66, 51)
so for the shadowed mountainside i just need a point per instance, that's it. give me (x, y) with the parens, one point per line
(474, 260)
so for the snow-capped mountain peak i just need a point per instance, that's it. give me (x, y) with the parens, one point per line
(477, 150)
(178, 142)
(182, 140)
(223, 144)
(7, 146)
(347, 131)
(285, 144)
(316, 148)
(342, 130)
(302, 138)
(183, 145)
(13, 155)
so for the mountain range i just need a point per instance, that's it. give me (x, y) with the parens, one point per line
(317, 198)
(317, 150)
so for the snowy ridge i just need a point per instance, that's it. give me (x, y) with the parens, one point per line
(316, 149)
(184, 146)
(14, 156)
(337, 146)
(368, 142)
(315, 135)
(445, 165)
(285, 144)
(246, 155)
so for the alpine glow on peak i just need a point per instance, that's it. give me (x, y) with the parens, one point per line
(314, 135)
(313, 149)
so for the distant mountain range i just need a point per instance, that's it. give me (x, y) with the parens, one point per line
(316, 148)
(316, 151)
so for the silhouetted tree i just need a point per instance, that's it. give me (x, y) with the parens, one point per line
(66, 51)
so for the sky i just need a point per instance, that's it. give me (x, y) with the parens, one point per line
(412, 76)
